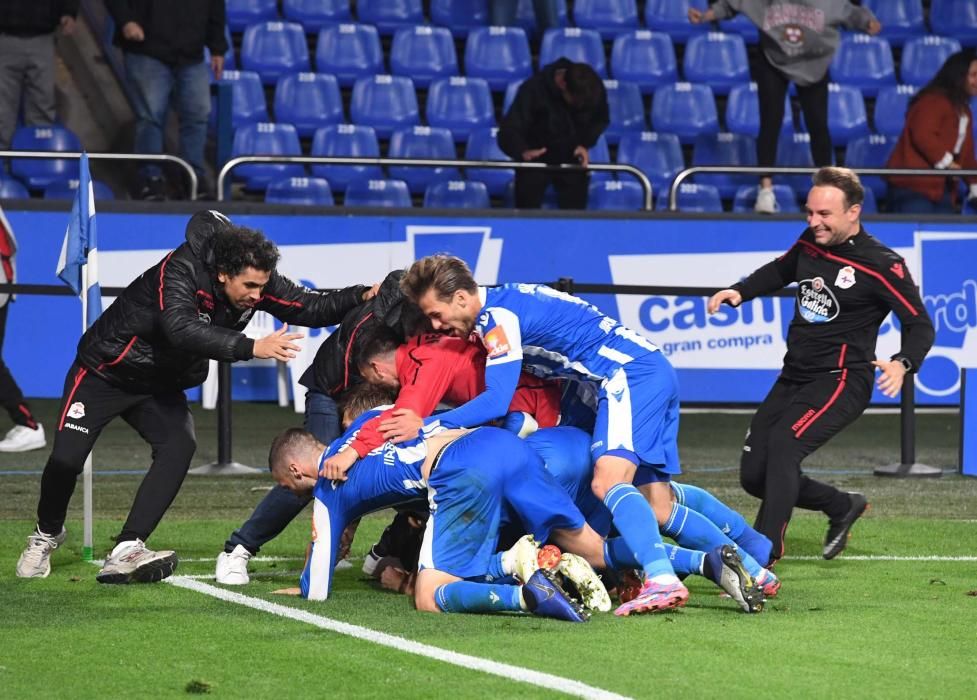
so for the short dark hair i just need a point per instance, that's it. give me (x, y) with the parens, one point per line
(285, 445)
(240, 247)
(379, 340)
(445, 274)
(951, 79)
(362, 397)
(845, 180)
(583, 85)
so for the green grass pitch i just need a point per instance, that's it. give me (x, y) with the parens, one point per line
(872, 623)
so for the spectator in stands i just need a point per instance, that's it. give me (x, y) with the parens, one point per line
(938, 134)
(27, 434)
(798, 39)
(503, 13)
(557, 117)
(27, 29)
(151, 344)
(163, 42)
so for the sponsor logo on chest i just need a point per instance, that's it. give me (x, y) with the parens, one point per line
(816, 302)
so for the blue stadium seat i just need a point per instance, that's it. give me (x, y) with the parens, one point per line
(870, 152)
(742, 25)
(385, 102)
(956, 18)
(498, 55)
(390, 15)
(615, 195)
(423, 53)
(659, 156)
(693, 198)
(718, 60)
(346, 140)
(644, 57)
(38, 174)
(672, 17)
(794, 151)
(377, 193)
(313, 15)
(890, 109)
(609, 17)
(460, 16)
(483, 145)
(422, 142)
(510, 94)
(350, 52)
(266, 139)
(746, 198)
(865, 62)
(460, 104)
(847, 118)
(869, 205)
(242, 13)
(308, 101)
(900, 19)
(457, 194)
(526, 15)
(579, 45)
(743, 111)
(247, 98)
(274, 49)
(923, 56)
(68, 189)
(724, 149)
(626, 108)
(307, 191)
(12, 189)
(686, 109)
(600, 153)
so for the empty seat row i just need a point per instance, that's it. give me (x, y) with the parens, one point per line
(11, 188)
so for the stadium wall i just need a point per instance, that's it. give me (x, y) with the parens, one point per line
(731, 357)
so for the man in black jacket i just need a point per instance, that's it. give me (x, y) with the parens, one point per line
(332, 372)
(150, 345)
(27, 29)
(557, 117)
(847, 283)
(163, 42)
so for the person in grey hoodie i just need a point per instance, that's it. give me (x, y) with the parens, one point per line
(798, 39)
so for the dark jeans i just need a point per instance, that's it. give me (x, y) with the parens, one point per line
(11, 397)
(905, 201)
(771, 89)
(502, 13)
(571, 188)
(280, 506)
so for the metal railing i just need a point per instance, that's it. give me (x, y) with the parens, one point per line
(151, 157)
(435, 163)
(755, 170)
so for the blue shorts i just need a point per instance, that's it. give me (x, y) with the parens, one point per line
(478, 474)
(638, 416)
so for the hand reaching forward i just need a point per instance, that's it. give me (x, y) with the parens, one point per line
(402, 426)
(730, 296)
(277, 346)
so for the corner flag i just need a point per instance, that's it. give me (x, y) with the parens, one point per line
(78, 264)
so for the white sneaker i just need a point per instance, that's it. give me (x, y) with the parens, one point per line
(132, 562)
(592, 592)
(766, 202)
(522, 559)
(20, 438)
(232, 567)
(35, 562)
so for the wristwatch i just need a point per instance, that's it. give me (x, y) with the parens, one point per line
(906, 363)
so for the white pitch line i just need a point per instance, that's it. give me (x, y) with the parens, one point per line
(495, 668)
(888, 557)
(210, 559)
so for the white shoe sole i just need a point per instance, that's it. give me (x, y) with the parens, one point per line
(592, 592)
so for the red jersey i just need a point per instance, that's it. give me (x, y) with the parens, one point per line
(433, 368)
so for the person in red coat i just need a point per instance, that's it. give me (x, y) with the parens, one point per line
(938, 134)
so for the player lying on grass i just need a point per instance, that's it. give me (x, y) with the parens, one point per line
(466, 486)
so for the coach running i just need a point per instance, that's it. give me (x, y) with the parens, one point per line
(136, 361)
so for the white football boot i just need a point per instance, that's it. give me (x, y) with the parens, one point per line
(592, 592)
(35, 561)
(232, 567)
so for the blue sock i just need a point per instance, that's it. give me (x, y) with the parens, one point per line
(470, 597)
(495, 568)
(694, 531)
(635, 520)
(726, 519)
(685, 562)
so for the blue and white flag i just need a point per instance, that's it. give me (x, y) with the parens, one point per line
(78, 264)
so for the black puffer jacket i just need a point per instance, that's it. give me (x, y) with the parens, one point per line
(334, 368)
(176, 31)
(158, 335)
